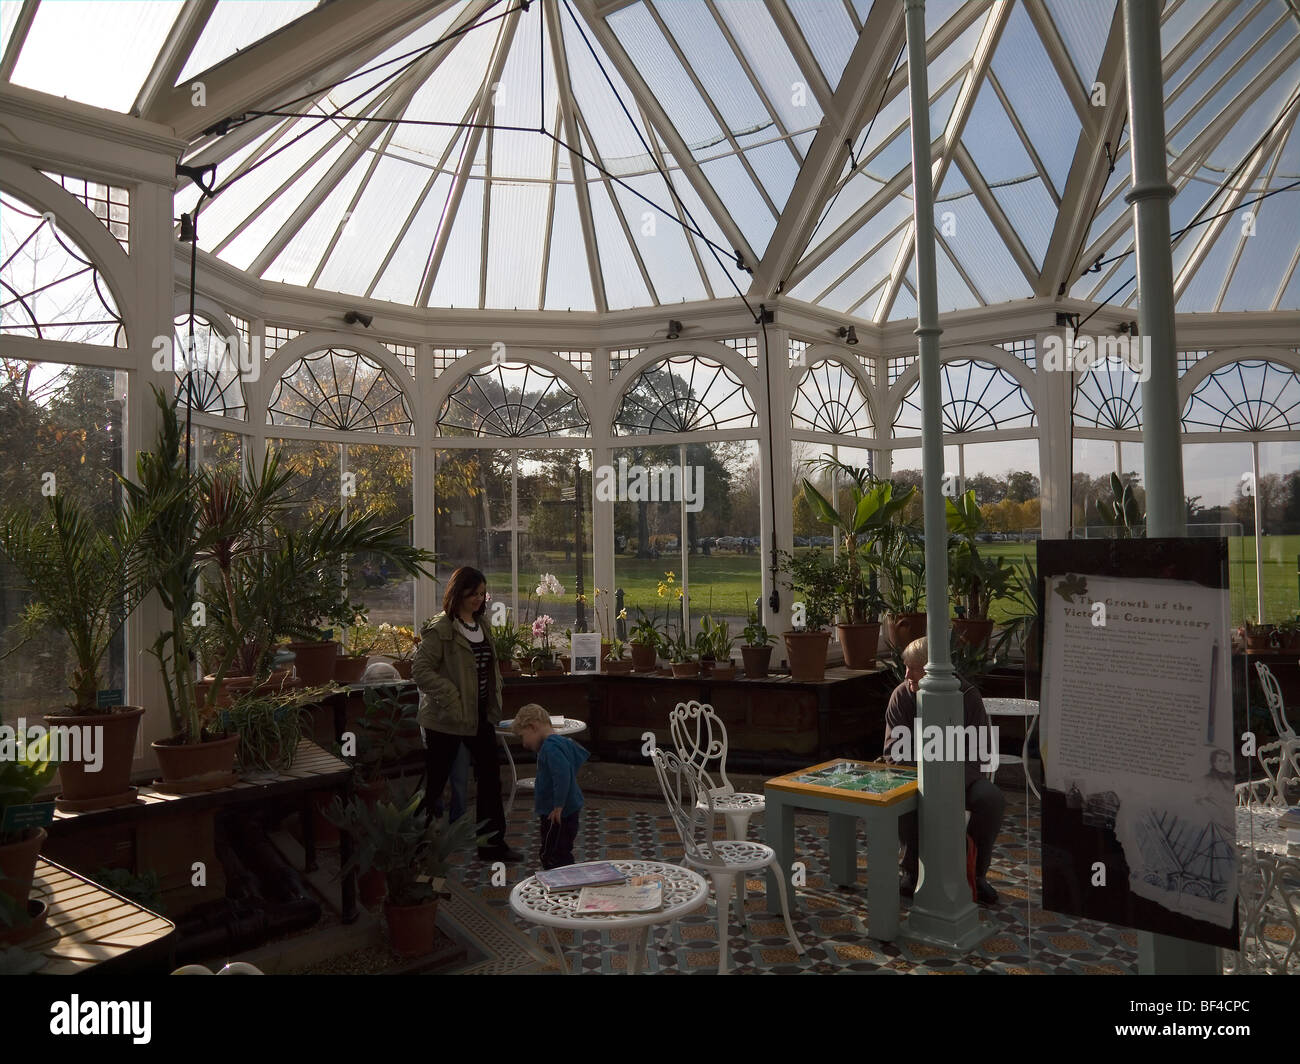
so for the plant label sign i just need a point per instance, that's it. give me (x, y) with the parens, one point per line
(22, 817)
(108, 699)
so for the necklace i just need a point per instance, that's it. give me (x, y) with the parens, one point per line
(467, 625)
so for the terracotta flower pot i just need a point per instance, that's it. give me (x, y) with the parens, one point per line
(807, 654)
(412, 929)
(192, 767)
(725, 671)
(859, 642)
(232, 687)
(111, 785)
(905, 627)
(643, 657)
(18, 864)
(617, 667)
(605, 648)
(314, 662)
(684, 670)
(974, 634)
(348, 668)
(372, 888)
(756, 659)
(565, 662)
(508, 669)
(403, 668)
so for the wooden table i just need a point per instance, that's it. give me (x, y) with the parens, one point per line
(313, 769)
(878, 811)
(89, 928)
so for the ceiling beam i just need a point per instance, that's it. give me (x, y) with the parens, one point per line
(650, 105)
(1060, 57)
(1089, 169)
(952, 134)
(803, 55)
(1280, 142)
(569, 130)
(170, 61)
(294, 60)
(859, 90)
(993, 209)
(17, 38)
(680, 214)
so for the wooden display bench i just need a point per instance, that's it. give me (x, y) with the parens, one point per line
(167, 833)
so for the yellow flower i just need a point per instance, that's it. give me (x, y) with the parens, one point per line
(622, 614)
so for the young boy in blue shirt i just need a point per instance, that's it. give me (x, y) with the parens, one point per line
(557, 800)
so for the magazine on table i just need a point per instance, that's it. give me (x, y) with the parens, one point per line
(640, 894)
(572, 877)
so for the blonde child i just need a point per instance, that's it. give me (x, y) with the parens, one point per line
(557, 800)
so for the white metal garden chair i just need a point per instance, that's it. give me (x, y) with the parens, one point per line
(700, 738)
(1288, 767)
(722, 860)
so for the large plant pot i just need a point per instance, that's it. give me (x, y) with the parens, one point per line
(84, 790)
(404, 668)
(349, 668)
(315, 661)
(726, 671)
(412, 929)
(233, 687)
(18, 865)
(188, 768)
(807, 654)
(905, 627)
(859, 642)
(644, 656)
(372, 888)
(508, 670)
(617, 667)
(684, 670)
(974, 634)
(757, 660)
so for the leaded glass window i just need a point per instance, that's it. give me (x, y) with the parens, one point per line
(340, 389)
(1250, 396)
(975, 396)
(513, 400)
(214, 365)
(1108, 397)
(686, 393)
(830, 399)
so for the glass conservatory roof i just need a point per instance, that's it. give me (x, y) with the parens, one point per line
(602, 154)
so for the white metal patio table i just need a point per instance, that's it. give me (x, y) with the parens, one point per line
(684, 892)
(1026, 709)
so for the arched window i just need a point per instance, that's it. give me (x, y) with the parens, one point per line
(685, 393)
(1251, 396)
(1108, 397)
(830, 399)
(340, 389)
(214, 380)
(513, 400)
(975, 396)
(51, 288)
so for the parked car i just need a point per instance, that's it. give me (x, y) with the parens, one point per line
(801, 541)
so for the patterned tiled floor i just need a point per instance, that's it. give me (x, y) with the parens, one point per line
(830, 921)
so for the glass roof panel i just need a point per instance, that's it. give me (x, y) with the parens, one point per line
(1291, 297)
(1202, 291)
(367, 235)
(714, 63)
(400, 281)
(733, 184)
(234, 25)
(764, 49)
(456, 284)
(1233, 23)
(1083, 28)
(1030, 81)
(1266, 255)
(993, 142)
(828, 31)
(724, 277)
(516, 237)
(9, 10)
(981, 252)
(93, 52)
(858, 283)
(953, 292)
(1178, 19)
(860, 243)
(300, 257)
(1031, 212)
(624, 286)
(661, 242)
(776, 169)
(568, 279)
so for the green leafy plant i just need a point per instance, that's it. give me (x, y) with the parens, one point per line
(509, 640)
(380, 739)
(1120, 511)
(412, 852)
(23, 777)
(715, 640)
(813, 576)
(85, 580)
(902, 564)
(756, 633)
(865, 521)
(1020, 628)
(143, 889)
(647, 631)
(681, 649)
(617, 648)
(269, 726)
(976, 581)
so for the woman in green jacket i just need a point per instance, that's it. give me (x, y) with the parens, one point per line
(460, 702)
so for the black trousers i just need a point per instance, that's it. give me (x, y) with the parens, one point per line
(556, 848)
(985, 803)
(440, 753)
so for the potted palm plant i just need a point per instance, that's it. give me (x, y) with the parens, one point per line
(813, 577)
(715, 641)
(975, 581)
(682, 656)
(646, 640)
(756, 650)
(85, 580)
(22, 778)
(903, 567)
(508, 640)
(864, 519)
(413, 854)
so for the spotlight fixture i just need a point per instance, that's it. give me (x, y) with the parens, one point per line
(1064, 318)
(766, 316)
(188, 232)
(1127, 328)
(848, 334)
(355, 317)
(674, 329)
